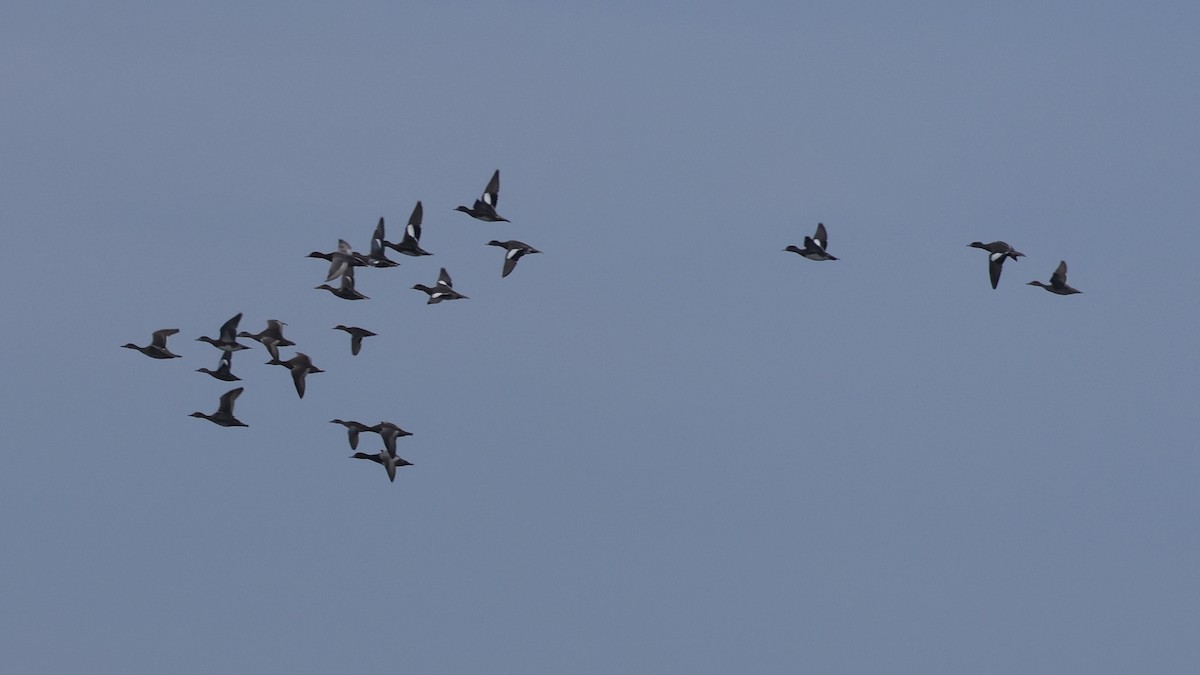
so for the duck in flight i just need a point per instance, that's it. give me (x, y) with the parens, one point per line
(356, 336)
(814, 246)
(997, 252)
(222, 372)
(157, 349)
(301, 366)
(227, 339)
(224, 414)
(513, 250)
(485, 206)
(353, 429)
(386, 460)
(345, 290)
(411, 243)
(443, 290)
(1058, 281)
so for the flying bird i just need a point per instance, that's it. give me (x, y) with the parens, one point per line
(356, 336)
(157, 349)
(389, 433)
(345, 290)
(227, 338)
(997, 252)
(386, 460)
(814, 246)
(443, 290)
(1058, 281)
(224, 414)
(301, 366)
(513, 251)
(485, 206)
(411, 243)
(222, 372)
(353, 429)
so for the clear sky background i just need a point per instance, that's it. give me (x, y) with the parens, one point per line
(664, 445)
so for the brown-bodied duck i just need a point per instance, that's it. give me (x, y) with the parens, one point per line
(997, 252)
(224, 414)
(356, 336)
(485, 206)
(814, 246)
(353, 429)
(513, 251)
(301, 366)
(227, 338)
(157, 349)
(1058, 281)
(222, 372)
(443, 290)
(386, 460)
(389, 433)
(345, 290)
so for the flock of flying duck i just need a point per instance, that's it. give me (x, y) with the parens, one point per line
(342, 264)
(998, 252)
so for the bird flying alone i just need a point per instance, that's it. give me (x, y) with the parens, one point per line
(485, 207)
(227, 338)
(356, 336)
(513, 251)
(814, 246)
(1058, 281)
(997, 252)
(157, 349)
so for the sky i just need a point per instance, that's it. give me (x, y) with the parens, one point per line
(663, 445)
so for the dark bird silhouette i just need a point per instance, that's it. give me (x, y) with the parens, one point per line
(222, 372)
(485, 206)
(353, 429)
(1058, 281)
(814, 246)
(224, 414)
(345, 290)
(386, 460)
(443, 290)
(411, 243)
(301, 366)
(356, 336)
(227, 338)
(378, 255)
(513, 251)
(997, 252)
(389, 433)
(157, 349)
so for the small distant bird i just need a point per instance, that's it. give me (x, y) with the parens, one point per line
(345, 290)
(353, 429)
(385, 459)
(814, 246)
(356, 336)
(1058, 281)
(301, 366)
(273, 330)
(389, 433)
(342, 260)
(997, 252)
(444, 290)
(224, 414)
(378, 255)
(222, 372)
(356, 259)
(227, 338)
(411, 243)
(157, 349)
(513, 251)
(485, 206)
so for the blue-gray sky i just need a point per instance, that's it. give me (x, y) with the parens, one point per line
(664, 445)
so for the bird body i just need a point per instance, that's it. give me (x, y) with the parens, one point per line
(814, 246)
(157, 349)
(485, 207)
(224, 414)
(443, 290)
(1058, 281)
(997, 252)
(513, 251)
